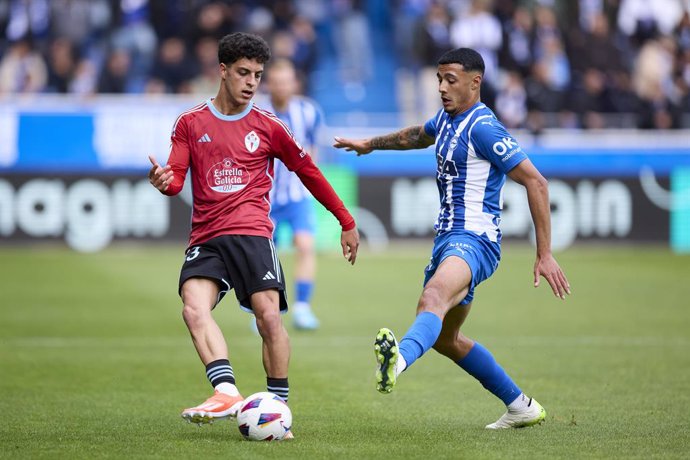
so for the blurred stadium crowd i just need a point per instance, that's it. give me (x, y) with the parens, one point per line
(550, 63)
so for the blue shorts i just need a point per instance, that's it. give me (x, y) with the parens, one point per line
(299, 215)
(480, 254)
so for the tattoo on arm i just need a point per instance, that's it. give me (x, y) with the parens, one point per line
(413, 137)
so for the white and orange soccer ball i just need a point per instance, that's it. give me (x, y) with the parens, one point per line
(264, 417)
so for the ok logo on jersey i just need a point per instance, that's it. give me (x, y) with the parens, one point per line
(504, 145)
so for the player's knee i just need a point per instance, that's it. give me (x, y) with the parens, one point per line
(189, 315)
(269, 324)
(455, 346)
(192, 314)
(463, 344)
(445, 345)
(304, 246)
(305, 251)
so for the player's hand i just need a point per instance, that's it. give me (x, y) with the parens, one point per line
(349, 240)
(361, 146)
(160, 177)
(547, 267)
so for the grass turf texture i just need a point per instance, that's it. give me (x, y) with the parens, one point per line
(95, 360)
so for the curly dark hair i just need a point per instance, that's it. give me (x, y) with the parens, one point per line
(238, 45)
(469, 59)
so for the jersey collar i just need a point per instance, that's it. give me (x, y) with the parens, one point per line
(235, 117)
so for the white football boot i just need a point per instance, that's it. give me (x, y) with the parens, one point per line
(533, 414)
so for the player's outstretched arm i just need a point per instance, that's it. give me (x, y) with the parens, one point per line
(413, 137)
(349, 240)
(538, 197)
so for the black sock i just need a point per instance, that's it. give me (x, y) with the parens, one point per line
(220, 371)
(278, 386)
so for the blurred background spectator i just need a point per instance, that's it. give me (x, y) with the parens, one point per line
(62, 64)
(205, 82)
(22, 69)
(352, 40)
(114, 75)
(173, 70)
(480, 30)
(581, 64)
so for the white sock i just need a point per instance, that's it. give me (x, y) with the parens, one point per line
(519, 404)
(227, 388)
(301, 306)
(400, 365)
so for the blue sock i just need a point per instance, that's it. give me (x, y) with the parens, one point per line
(481, 365)
(304, 290)
(420, 337)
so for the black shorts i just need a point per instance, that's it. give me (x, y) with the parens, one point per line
(247, 264)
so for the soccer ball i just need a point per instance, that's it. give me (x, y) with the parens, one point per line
(264, 417)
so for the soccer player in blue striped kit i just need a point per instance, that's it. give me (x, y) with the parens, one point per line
(291, 202)
(474, 154)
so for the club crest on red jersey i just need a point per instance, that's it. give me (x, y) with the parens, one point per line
(227, 176)
(251, 141)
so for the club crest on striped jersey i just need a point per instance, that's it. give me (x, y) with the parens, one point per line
(453, 144)
(251, 141)
(227, 176)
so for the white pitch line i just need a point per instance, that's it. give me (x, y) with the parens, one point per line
(341, 340)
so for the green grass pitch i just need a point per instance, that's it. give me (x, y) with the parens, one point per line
(95, 361)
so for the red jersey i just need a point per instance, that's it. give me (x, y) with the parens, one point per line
(231, 161)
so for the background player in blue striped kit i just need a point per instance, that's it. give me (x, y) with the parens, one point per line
(474, 154)
(291, 202)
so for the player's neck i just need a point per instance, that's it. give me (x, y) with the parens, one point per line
(226, 105)
(465, 107)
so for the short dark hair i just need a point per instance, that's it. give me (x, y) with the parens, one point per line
(468, 58)
(238, 45)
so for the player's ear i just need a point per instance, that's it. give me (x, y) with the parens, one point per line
(223, 71)
(476, 81)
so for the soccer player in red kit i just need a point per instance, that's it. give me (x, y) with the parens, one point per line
(228, 144)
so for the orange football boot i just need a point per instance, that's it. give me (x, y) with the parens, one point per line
(217, 407)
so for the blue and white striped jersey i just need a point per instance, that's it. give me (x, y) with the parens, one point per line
(474, 152)
(304, 120)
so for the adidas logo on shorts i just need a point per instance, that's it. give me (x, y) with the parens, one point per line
(269, 276)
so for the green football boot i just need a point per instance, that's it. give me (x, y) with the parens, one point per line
(386, 351)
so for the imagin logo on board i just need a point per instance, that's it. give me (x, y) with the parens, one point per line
(87, 213)
(585, 209)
